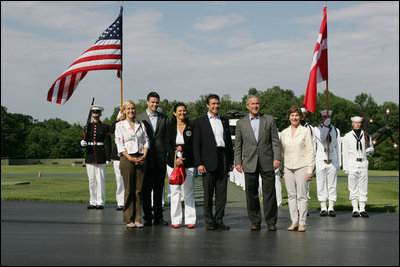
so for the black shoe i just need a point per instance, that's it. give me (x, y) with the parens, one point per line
(255, 227)
(91, 207)
(160, 222)
(119, 208)
(222, 226)
(323, 213)
(331, 213)
(271, 227)
(210, 226)
(355, 214)
(148, 223)
(99, 207)
(364, 214)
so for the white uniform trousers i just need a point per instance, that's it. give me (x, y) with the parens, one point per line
(296, 187)
(119, 194)
(358, 184)
(185, 192)
(326, 176)
(96, 175)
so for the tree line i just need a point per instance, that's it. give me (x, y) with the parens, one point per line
(23, 137)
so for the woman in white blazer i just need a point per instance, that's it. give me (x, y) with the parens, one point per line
(299, 161)
(132, 145)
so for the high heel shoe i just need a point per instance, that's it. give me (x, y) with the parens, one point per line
(292, 227)
(302, 228)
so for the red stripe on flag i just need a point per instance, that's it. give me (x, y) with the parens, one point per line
(94, 58)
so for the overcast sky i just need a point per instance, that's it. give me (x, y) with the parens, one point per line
(184, 50)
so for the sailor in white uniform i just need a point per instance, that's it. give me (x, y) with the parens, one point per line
(355, 164)
(327, 162)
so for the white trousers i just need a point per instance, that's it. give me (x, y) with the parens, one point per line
(296, 186)
(96, 175)
(326, 181)
(358, 184)
(185, 192)
(119, 194)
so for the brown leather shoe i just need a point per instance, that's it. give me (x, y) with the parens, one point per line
(271, 227)
(255, 227)
(293, 227)
(302, 228)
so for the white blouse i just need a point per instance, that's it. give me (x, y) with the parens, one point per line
(298, 149)
(179, 141)
(129, 140)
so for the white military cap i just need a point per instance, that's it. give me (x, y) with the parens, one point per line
(303, 110)
(96, 107)
(356, 119)
(323, 113)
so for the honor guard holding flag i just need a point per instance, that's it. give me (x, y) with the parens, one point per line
(357, 145)
(327, 162)
(97, 141)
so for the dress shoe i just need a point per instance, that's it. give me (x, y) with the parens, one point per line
(323, 213)
(364, 214)
(148, 223)
(99, 207)
(331, 213)
(293, 227)
(191, 226)
(139, 225)
(355, 214)
(130, 225)
(176, 226)
(222, 226)
(91, 207)
(271, 227)
(160, 222)
(255, 227)
(210, 227)
(119, 208)
(302, 228)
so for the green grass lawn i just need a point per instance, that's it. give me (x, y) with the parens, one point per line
(65, 183)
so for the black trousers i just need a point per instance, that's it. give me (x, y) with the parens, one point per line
(216, 182)
(153, 181)
(269, 196)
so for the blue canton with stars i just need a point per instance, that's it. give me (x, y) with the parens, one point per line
(114, 31)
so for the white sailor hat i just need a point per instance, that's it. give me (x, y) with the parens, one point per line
(323, 113)
(356, 119)
(304, 110)
(96, 107)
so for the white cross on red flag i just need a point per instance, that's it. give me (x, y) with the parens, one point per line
(319, 67)
(105, 54)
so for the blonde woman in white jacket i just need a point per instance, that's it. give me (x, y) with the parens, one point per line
(299, 161)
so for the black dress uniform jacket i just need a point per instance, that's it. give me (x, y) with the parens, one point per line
(98, 133)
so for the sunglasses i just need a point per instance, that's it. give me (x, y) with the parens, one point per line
(96, 111)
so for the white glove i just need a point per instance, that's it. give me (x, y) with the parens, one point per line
(83, 143)
(327, 122)
(119, 116)
(107, 162)
(369, 151)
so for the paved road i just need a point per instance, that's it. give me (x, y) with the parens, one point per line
(39, 233)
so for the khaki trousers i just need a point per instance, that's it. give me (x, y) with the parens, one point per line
(296, 187)
(133, 176)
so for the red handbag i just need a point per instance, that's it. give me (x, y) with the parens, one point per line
(178, 175)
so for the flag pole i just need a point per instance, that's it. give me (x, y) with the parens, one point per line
(121, 10)
(328, 160)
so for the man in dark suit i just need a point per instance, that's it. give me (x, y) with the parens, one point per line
(213, 157)
(258, 152)
(156, 124)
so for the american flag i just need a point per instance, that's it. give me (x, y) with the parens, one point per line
(105, 54)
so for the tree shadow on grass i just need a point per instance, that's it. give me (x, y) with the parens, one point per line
(370, 208)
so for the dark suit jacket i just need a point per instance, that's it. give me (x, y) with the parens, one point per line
(187, 148)
(158, 150)
(204, 146)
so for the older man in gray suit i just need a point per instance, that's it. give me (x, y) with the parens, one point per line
(258, 152)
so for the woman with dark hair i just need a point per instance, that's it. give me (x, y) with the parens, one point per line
(179, 153)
